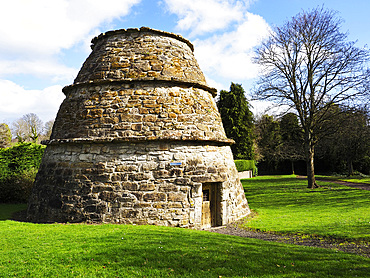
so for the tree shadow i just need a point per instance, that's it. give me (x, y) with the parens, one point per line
(9, 211)
(222, 256)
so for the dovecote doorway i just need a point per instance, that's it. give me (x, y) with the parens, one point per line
(211, 205)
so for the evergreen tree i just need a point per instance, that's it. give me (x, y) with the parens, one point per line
(348, 146)
(268, 141)
(292, 142)
(237, 120)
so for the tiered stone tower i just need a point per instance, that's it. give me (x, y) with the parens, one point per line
(138, 139)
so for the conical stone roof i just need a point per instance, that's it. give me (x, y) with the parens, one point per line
(141, 54)
(134, 79)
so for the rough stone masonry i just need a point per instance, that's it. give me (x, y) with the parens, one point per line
(138, 140)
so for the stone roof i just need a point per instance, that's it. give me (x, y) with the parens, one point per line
(128, 55)
(139, 85)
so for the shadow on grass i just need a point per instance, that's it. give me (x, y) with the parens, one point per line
(7, 210)
(149, 251)
(201, 255)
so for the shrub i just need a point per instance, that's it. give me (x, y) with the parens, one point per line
(246, 165)
(16, 187)
(18, 168)
(21, 157)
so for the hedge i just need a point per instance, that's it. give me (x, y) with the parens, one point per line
(18, 168)
(246, 165)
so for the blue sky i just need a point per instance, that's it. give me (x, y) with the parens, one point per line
(43, 43)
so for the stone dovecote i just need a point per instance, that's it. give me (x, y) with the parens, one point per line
(138, 140)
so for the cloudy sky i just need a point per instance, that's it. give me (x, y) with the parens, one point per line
(43, 43)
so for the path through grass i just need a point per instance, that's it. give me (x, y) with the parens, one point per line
(355, 179)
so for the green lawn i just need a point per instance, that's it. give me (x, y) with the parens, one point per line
(41, 250)
(284, 204)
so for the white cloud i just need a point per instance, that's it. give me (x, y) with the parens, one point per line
(17, 101)
(35, 29)
(41, 68)
(45, 27)
(224, 36)
(214, 84)
(206, 15)
(229, 55)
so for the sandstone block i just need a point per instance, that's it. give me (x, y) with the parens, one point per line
(143, 205)
(160, 205)
(140, 176)
(126, 168)
(147, 186)
(175, 205)
(101, 188)
(176, 172)
(129, 213)
(168, 187)
(130, 186)
(160, 174)
(108, 196)
(136, 127)
(154, 197)
(176, 197)
(183, 181)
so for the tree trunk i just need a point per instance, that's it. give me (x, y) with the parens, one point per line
(350, 167)
(310, 151)
(292, 167)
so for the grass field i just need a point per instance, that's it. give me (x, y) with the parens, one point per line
(284, 204)
(79, 250)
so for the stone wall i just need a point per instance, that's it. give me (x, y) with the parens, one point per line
(138, 183)
(147, 111)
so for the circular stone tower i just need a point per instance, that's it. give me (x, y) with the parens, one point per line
(138, 139)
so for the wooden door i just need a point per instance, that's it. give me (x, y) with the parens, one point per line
(209, 205)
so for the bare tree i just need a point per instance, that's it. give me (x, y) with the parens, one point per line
(19, 130)
(28, 127)
(34, 125)
(48, 128)
(310, 65)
